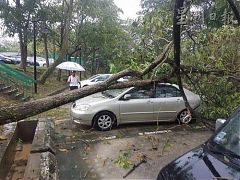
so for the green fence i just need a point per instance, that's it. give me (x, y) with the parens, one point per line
(16, 79)
(72, 58)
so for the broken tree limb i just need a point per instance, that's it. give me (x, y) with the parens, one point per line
(17, 112)
(158, 60)
(143, 160)
(14, 113)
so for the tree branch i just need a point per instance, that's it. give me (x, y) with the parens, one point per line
(158, 60)
(235, 10)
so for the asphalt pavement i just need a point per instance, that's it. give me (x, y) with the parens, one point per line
(85, 153)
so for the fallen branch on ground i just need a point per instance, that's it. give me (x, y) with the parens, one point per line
(143, 160)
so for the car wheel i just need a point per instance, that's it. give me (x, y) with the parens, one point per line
(104, 121)
(184, 117)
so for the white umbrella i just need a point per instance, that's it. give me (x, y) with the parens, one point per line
(71, 66)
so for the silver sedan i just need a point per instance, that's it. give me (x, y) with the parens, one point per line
(158, 102)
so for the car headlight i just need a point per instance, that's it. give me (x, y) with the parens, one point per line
(83, 107)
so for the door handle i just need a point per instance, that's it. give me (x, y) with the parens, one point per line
(149, 102)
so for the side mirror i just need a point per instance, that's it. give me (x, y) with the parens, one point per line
(127, 97)
(219, 123)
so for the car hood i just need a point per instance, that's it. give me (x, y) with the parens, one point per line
(199, 164)
(85, 81)
(92, 99)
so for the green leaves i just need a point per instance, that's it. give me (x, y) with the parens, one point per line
(123, 161)
(216, 52)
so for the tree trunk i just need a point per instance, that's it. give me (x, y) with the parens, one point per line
(22, 40)
(14, 113)
(23, 49)
(59, 75)
(177, 49)
(46, 49)
(235, 10)
(93, 68)
(64, 48)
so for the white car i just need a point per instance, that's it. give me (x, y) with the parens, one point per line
(123, 79)
(40, 61)
(95, 79)
(156, 102)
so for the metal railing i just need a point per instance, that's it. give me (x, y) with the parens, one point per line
(17, 80)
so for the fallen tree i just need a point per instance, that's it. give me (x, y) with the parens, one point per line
(17, 112)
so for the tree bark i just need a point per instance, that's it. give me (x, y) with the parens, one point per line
(22, 39)
(23, 49)
(14, 113)
(64, 48)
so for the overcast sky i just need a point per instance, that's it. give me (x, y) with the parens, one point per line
(129, 7)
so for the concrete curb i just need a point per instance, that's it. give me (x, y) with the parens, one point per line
(43, 138)
(7, 149)
(41, 166)
(42, 163)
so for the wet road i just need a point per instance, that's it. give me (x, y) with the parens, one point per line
(84, 153)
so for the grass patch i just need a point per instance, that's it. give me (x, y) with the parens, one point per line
(57, 113)
(51, 85)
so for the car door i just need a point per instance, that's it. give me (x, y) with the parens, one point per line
(138, 107)
(167, 103)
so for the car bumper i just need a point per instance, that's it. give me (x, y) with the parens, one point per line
(80, 117)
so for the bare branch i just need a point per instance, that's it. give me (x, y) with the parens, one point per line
(158, 60)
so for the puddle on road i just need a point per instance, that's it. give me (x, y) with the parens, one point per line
(20, 162)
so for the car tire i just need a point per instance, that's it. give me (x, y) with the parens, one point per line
(184, 117)
(104, 121)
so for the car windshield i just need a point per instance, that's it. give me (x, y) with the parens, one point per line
(94, 76)
(229, 137)
(113, 92)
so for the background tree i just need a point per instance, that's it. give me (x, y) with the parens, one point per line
(65, 41)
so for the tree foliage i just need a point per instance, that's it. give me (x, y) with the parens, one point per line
(217, 56)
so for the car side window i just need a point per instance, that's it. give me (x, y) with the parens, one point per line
(99, 78)
(166, 91)
(103, 78)
(141, 93)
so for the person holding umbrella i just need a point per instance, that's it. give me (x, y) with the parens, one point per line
(73, 81)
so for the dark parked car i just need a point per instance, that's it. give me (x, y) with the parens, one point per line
(218, 158)
(5, 59)
(15, 59)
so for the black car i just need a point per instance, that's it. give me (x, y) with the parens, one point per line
(218, 158)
